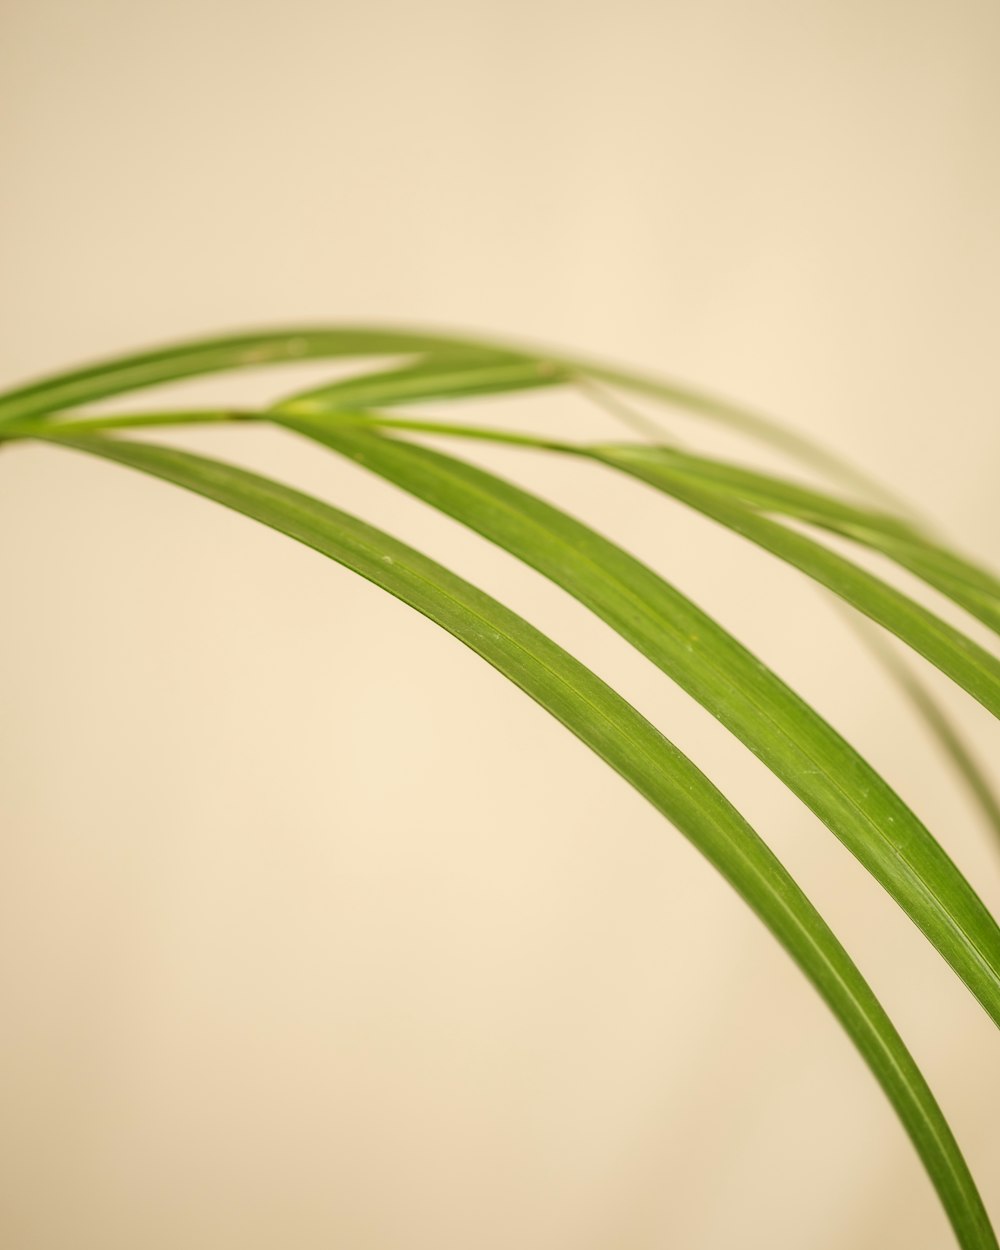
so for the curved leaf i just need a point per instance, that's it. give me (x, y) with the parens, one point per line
(809, 756)
(963, 660)
(970, 586)
(630, 744)
(197, 357)
(435, 376)
(956, 655)
(814, 508)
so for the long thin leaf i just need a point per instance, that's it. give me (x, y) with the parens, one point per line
(809, 756)
(956, 655)
(776, 495)
(970, 665)
(963, 660)
(984, 603)
(435, 376)
(972, 587)
(968, 585)
(195, 358)
(630, 744)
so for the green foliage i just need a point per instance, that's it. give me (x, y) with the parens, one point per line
(785, 517)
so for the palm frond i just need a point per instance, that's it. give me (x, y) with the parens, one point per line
(615, 731)
(756, 706)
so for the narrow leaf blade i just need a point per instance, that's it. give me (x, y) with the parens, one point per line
(630, 744)
(805, 752)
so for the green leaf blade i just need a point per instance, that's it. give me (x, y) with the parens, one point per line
(974, 588)
(198, 357)
(961, 659)
(631, 745)
(436, 376)
(805, 752)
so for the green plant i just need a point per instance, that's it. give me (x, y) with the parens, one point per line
(357, 418)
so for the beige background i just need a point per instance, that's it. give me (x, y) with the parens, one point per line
(315, 933)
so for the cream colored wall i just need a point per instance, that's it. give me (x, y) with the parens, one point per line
(313, 932)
